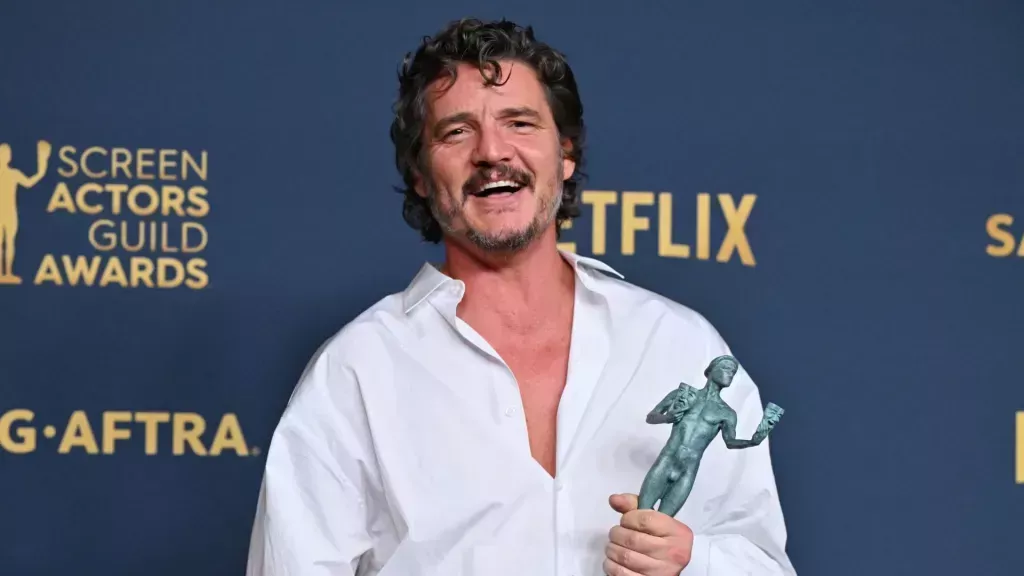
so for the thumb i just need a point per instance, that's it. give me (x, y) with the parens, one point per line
(623, 503)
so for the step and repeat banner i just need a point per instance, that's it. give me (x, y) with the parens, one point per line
(195, 195)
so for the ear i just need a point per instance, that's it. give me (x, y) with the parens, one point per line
(421, 191)
(568, 164)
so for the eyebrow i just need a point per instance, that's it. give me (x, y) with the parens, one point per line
(518, 112)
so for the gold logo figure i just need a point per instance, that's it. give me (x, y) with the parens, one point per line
(10, 179)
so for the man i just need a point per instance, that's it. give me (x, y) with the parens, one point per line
(490, 418)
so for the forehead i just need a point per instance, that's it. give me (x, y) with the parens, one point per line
(518, 86)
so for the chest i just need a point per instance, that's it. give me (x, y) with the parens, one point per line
(704, 411)
(540, 367)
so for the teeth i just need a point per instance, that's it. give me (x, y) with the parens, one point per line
(499, 184)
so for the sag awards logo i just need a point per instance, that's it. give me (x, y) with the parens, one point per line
(1005, 242)
(637, 212)
(139, 212)
(179, 433)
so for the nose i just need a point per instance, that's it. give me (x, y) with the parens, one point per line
(491, 147)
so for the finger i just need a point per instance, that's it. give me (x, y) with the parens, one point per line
(630, 559)
(650, 522)
(623, 503)
(634, 540)
(613, 569)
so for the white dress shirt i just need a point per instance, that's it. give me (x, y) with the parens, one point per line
(403, 450)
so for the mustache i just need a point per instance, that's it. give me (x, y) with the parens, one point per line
(496, 172)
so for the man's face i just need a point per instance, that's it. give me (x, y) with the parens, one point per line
(5, 155)
(493, 159)
(723, 372)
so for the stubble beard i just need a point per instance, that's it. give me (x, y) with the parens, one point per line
(507, 242)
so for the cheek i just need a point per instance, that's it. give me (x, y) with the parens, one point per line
(540, 157)
(449, 168)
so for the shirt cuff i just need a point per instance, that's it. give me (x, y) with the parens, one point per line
(699, 557)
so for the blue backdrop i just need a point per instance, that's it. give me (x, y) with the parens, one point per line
(868, 156)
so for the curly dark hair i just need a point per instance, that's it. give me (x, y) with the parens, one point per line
(483, 44)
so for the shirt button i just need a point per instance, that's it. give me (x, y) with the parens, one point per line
(510, 412)
(559, 485)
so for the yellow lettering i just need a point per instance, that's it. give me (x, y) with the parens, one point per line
(666, 248)
(61, 199)
(143, 161)
(80, 198)
(152, 204)
(109, 238)
(152, 421)
(116, 192)
(631, 223)
(198, 277)
(187, 428)
(992, 226)
(137, 271)
(23, 440)
(1020, 447)
(111, 433)
(163, 266)
(188, 160)
(78, 433)
(114, 273)
(186, 246)
(173, 200)
(81, 269)
(85, 162)
(229, 435)
(165, 237)
(736, 220)
(49, 271)
(200, 206)
(599, 199)
(66, 155)
(165, 163)
(142, 272)
(121, 161)
(703, 226)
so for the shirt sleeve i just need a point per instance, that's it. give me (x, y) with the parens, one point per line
(745, 533)
(316, 513)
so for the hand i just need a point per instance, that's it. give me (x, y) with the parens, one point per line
(678, 412)
(758, 437)
(43, 149)
(646, 542)
(762, 431)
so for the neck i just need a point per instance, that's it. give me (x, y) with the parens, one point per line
(521, 290)
(712, 389)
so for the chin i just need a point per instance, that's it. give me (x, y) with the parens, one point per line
(502, 225)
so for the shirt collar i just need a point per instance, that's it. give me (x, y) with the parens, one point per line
(430, 278)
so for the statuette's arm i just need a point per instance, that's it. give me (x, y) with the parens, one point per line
(729, 435)
(661, 413)
(769, 419)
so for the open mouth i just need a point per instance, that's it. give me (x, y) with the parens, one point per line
(498, 188)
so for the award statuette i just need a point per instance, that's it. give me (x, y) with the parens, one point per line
(696, 417)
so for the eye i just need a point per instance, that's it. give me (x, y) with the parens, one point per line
(454, 135)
